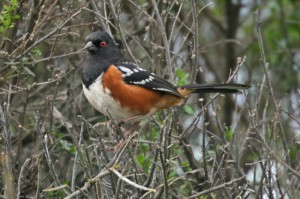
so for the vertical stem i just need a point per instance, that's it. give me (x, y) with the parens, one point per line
(232, 21)
(164, 38)
(196, 44)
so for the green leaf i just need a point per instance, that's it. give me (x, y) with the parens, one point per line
(172, 174)
(144, 148)
(183, 77)
(5, 7)
(140, 159)
(185, 164)
(184, 189)
(8, 15)
(292, 153)
(228, 133)
(154, 133)
(67, 146)
(188, 109)
(143, 162)
(176, 150)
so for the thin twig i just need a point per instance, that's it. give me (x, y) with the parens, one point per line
(104, 172)
(116, 18)
(49, 161)
(112, 169)
(99, 17)
(21, 177)
(56, 57)
(265, 67)
(163, 32)
(74, 171)
(216, 188)
(61, 187)
(49, 34)
(88, 184)
(195, 54)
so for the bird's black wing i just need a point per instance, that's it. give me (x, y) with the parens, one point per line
(132, 74)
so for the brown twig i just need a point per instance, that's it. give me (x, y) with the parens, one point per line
(216, 188)
(163, 33)
(266, 73)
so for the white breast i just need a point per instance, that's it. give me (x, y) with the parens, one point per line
(102, 100)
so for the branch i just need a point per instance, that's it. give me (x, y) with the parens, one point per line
(105, 171)
(161, 27)
(112, 169)
(49, 34)
(216, 188)
(265, 68)
(21, 176)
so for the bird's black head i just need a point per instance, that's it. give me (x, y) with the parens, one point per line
(102, 51)
(101, 44)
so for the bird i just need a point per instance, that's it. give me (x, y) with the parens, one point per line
(123, 91)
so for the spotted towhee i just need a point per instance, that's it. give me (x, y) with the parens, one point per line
(120, 89)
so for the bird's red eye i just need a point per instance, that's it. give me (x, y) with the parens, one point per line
(103, 44)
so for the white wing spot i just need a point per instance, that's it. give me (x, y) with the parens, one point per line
(129, 62)
(126, 70)
(163, 89)
(144, 81)
(141, 69)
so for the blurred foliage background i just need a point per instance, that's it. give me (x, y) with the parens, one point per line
(214, 146)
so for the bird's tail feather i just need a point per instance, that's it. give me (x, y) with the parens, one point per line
(212, 88)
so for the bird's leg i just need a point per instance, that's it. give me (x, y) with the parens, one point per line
(121, 122)
(133, 119)
(121, 133)
(122, 142)
(125, 134)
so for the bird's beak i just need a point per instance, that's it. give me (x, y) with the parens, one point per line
(89, 45)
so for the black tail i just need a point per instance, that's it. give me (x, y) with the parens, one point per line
(216, 88)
